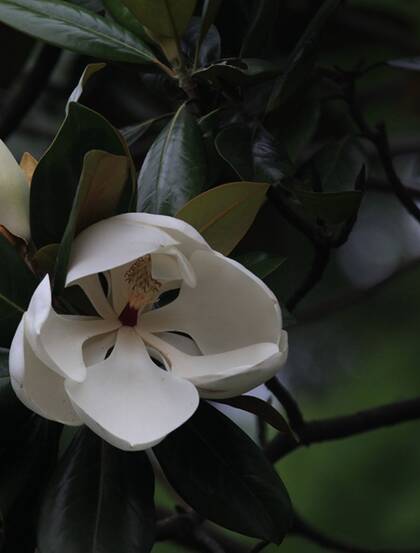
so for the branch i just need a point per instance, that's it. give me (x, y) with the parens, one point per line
(24, 94)
(378, 185)
(290, 405)
(345, 426)
(307, 531)
(379, 138)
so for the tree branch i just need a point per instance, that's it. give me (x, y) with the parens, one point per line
(345, 426)
(379, 138)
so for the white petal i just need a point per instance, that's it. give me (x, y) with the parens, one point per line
(170, 264)
(38, 387)
(14, 195)
(224, 374)
(58, 339)
(128, 400)
(230, 308)
(188, 237)
(96, 349)
(112, 243)
(91, 286)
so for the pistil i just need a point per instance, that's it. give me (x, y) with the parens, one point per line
(144, 290)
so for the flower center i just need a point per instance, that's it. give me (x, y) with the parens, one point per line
(143, 289)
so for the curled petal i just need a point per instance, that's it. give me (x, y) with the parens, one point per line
(128, 400)
(91, 286)
(188, 237)
(57, 340)
(112, 243)
(220, 375)
(230, 308)
(37, 386)
(14, 195)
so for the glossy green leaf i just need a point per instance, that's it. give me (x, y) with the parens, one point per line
(331, 207)
(93, 5)
(174, 170)
(45, 258)
(338, 164)
(75, 28)
(260, 408)
(238, 71)
(208, 15)
(132, 133)
(223, 215)
(90, 70)
(17, 284)
(253, 154)
(99, 500)
(261, 27)
(220, 472)
(261, 264)
(298, 57)
(57, 175)
(165, 18)
(122, 15)
(98, 197)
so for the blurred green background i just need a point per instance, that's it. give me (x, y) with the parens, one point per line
(355, 341)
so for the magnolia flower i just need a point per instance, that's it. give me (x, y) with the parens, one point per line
(14, 195)
(135, 372)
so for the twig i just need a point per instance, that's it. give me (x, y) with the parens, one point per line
(378, 185)
(22, 96)
(305, 530)
(379, 138)
(345, 426)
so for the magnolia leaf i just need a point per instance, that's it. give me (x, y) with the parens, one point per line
(17, 284)
(208, 15)
(75, 28)
(98, 196)
(57, 175)
(224, 476)
(122, 15)
(90, 70)
(99, 500)
(165, 18)
(132, 133)
(45, 258)
(261, 408)
(174, 170)
(261, 264)
(223, 215)
(412, 64)
(28, 164)
(299, 55)
(238, 71)
(332, 207)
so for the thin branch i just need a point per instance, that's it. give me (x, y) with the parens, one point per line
(345, 426)
(307, 531)
(378, 185)
(379, 138)
(25, 93)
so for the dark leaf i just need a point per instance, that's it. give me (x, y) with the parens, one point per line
(412, 64)
(210, 49)
(76, 29)
(261, 264)
(209, 459)
(83, 130)
(297, 61)
(260, 408)
(93, 5)
(17, 284)
(208, 16)
(332, 207)
(122, 15)
(133, 133)
(98, 196)
(234, 145)
(100, 500)
(261, 29)
(166, 18)
(174, 170)
(238, 71)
